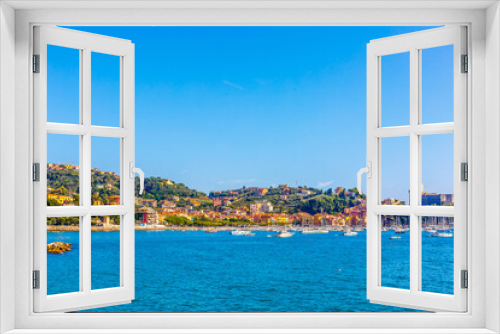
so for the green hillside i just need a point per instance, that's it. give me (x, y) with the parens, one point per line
(64, 180)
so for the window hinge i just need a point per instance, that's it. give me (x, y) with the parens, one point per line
(465, 64)
(464, 171)
(36, 63)
(465, 279)
(36, 279)
(36, 172)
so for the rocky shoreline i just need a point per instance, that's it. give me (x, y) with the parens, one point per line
(58, 247)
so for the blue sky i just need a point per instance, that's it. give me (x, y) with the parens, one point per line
(226, 107)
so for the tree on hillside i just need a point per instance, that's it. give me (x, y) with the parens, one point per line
(62, 190)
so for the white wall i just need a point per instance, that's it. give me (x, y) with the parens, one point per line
(214, 17)
(492, 165)
(7, 159)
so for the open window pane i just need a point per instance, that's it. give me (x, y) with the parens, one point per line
(437, 170)
(437, 84)
(105, 90)
(395, 262)
(439, 95)
(437, 254)
(63, 170)
(63, 85)
(105, 252)
(63, 255)
(395, 90)
(395, 169)
(77, 171)
(105, 171)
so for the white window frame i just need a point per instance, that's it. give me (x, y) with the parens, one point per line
(86, 44)
(483, 125)
(414, 43)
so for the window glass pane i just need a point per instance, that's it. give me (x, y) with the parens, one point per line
(395, 89)
(63, 85)
(63, 255)
(437, 170)
(105, 171)
(437, 84)
(105, 256)
(395, 240)
(437, 254)
(63, 170)
(395, 170)
(105, 90)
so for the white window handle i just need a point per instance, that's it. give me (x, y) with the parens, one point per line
(368, 171)
(134, 170)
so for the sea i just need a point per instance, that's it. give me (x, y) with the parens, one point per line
(194, 271)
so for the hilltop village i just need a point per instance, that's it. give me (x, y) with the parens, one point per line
(168, 203)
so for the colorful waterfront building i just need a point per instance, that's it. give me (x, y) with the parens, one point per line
(60, 199)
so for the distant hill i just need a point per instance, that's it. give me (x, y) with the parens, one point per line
(64, 179)
(164, 189)
(293, 199)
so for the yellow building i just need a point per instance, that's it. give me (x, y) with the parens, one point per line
(97, 202)
(61, 199)
(282, 219)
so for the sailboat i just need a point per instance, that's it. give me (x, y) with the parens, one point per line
(444, 233)
(400, 231)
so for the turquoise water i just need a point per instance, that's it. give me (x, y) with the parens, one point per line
(216, 272)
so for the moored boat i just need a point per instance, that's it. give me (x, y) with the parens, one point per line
(314, 232)
(349, 233)
(242, 233)
(284, 234)
(443, 234)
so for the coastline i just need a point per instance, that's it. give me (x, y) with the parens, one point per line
(109, 228)
(267, 228)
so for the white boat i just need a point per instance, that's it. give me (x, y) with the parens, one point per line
(395, 237)
(443, 234)
(350, 234)
(284, 234)
(314, 232)
(242, 233)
